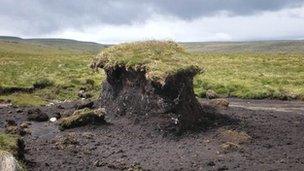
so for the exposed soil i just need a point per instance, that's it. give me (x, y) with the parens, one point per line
(262, 135)
(129, 92)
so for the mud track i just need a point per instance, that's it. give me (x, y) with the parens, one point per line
(275, 127)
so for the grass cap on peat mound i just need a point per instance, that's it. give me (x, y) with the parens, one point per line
(159, 59)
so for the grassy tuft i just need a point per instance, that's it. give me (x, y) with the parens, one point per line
(82, 117)
(9, 143)
(236, 137)
(233, 140)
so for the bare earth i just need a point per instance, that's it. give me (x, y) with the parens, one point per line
(261, 135)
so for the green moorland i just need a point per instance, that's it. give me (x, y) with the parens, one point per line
(64, 69)
(252, 75)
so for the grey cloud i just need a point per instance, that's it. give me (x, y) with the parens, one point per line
(47, 16)
(189, 9)
(43, 16)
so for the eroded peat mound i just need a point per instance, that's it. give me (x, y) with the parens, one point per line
(152, 81)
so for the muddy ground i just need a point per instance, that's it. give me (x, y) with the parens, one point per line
(261, 135)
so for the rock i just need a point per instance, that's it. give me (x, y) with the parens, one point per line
(210, 94)
(53, 119)
(8, 162)
(37, 115)
(219, 102)
(84, 104)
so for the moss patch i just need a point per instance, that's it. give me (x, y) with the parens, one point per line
(82, 117)
(9, 143)
(159, 59)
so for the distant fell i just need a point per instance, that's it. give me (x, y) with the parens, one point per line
(65, 45)
(275, 46)
(10, 38)
(73, 46)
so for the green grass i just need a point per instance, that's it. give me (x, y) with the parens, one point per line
(252, 75)
(26, 65)
(8, 143)
(65, 72)
(24, 99)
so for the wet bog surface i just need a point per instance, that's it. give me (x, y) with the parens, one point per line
(267, 135)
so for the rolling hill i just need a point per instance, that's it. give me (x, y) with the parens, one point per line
(276, 46)
(52, 45)
(74, 46)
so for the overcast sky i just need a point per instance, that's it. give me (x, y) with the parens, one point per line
(114, 21)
